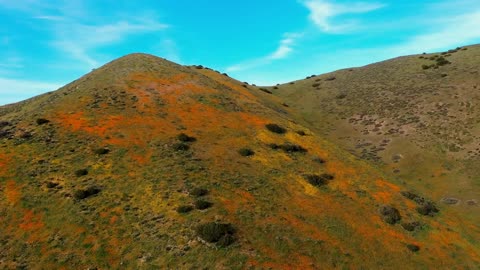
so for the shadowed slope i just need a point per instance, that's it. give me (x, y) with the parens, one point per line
(109, 179)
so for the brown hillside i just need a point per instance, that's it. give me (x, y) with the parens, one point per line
(121, 168)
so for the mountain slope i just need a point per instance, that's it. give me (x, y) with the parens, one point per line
(105, 172)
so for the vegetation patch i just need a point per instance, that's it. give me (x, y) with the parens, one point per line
(319, 160)
(222, 234)
(181, 146)
(276, 128)
(318, 180)
(41, 121)
(413, 248)
(102, 151)
(412, 196)
(390, 214)
(410, 226)
(198, 192)
(81, 172)
(427, 209)
(202, 204)
(185, 138)
(184, 209)
(292, 148)
(246, 152)
(85, 193)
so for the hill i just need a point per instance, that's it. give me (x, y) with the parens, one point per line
(145, 164)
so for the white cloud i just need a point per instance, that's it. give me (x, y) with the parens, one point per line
(78, 40)
(12, 90)
(322, 13)
(49, 18)
(455, 31)
(284, 49)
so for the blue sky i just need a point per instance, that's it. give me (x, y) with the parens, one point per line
(45, 44)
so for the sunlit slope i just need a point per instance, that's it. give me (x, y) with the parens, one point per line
(96, 175)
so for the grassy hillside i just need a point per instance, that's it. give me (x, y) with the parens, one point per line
(416, 118)
(145, 164)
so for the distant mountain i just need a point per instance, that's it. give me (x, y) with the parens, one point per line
(146, 164)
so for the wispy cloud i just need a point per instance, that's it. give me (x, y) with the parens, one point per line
(454, 31)
(12, 90)
(79, 40)
(323, 13)
(49, 18)
(284, 49)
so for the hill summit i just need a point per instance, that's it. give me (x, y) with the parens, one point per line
(144, 164)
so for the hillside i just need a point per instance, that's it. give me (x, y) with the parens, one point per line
(146, 164)
(415, 117)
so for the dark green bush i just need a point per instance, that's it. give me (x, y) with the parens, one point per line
(81, 172)
(425, 66)
(85, 193)
(412, 196)
(292, 148)
(202, 204)
(41, 121)
(199, 192)
(185, 138)
(390, 214)
(427, 209)
(219, 233)
(52, 185)
(180, 147)
(411, 226)
(274, 146)
(184, 209)
(266, 90)
(246, 152)
(276, 128)
(318, 160)
(102, 151)
(413, 248)
(318, 180)
(301, 132)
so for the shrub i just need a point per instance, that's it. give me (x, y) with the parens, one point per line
(246, 152)
(332, 78)
(318, 180)
(181, 147)
(266, 90)
(318, 160)
(52, 185)
(441, 61)
(412, 196)
(185, 138)
(41, 121)
(199, 192)
(102, 151)
(413, 248)
(285, 105)
(410, 226)
(184, 209)
(341, 96)
(425, 66)
(301, 132)
(315, 85)
(274, 146)
(81, 172)
(292, 148)
(427, 209)
(85, 193)
(202, 204)
(276, 128)
(4, 124)
(219, 233)
(390, 214)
